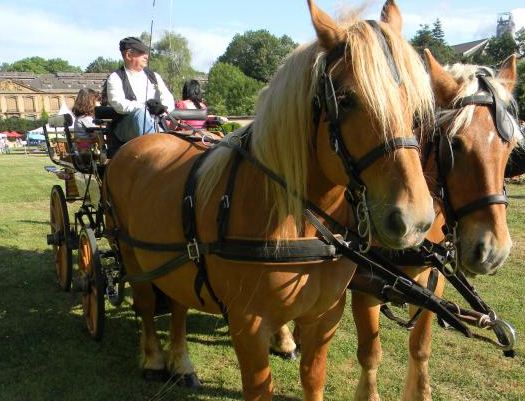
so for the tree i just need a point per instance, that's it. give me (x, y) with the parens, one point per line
(434, 40)
(171, 58)
(437, 31)
(39, 65)
(230, 92)
(498, 49)
(59, 65)
(258, 54)
(520, 42)
(20, 124)
(101, 64)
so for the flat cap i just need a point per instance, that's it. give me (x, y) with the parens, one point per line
(133, 43)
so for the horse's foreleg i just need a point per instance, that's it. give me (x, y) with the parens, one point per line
(417, 383)
(152, 357)
(315, 340)
(250, 340)
(282, 343)
(366, 309)
(179, 362)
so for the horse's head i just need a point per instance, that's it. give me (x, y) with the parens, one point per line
(371, 88)
(478, 132)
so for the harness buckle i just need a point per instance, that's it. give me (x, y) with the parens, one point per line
(189, 200)
(193, 250)
(401, 280)
(225, 202)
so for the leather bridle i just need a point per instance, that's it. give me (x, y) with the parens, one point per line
(504, 118)
(328, 100)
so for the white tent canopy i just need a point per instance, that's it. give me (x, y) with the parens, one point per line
(65, 110)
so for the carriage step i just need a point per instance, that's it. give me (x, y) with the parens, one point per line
(54, 239)
(60, 173)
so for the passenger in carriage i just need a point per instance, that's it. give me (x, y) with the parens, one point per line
(84, 111)
(192, 99)
(136, 92)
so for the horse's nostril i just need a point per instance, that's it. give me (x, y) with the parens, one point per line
(481, 252)
(396, 223)
(425, 227)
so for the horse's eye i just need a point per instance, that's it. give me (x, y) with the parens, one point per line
(347, 101)
(457, 144)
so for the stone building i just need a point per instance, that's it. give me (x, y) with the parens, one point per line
(27, 95)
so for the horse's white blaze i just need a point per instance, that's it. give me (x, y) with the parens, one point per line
(490, 137)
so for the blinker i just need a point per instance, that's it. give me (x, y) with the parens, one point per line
(330, 98)
(446, 154)
(504, 121)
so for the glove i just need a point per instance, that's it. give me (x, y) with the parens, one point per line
(155, 107)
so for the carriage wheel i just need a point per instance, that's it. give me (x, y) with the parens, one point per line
(90, 271)
(59, 238)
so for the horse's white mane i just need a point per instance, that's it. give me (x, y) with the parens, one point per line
(465, 74)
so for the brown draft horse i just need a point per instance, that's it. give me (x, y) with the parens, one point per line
(144, 184)
(480, 156)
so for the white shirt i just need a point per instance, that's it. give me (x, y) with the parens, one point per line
(143, 90)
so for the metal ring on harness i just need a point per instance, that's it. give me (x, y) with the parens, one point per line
(506, 334)
(208, 140)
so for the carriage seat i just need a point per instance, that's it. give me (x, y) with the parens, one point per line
(107, 116)
(189, 114)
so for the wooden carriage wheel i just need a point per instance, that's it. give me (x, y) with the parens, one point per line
(91, 275)
(60, 237)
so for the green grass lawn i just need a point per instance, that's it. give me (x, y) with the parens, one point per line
(46, 353)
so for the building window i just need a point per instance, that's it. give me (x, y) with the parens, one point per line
(29, 103)
(11, 104)
(30, 117)
(54, 103)
(70, 101)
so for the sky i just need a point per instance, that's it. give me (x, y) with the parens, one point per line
(80, 31)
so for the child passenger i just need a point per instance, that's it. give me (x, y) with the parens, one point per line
(84, 111)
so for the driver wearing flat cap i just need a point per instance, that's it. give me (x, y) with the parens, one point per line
(136, 92)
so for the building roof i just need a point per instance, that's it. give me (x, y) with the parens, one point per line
(60, 81)
(469, 48)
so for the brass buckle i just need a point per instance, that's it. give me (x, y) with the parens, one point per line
(193, 250)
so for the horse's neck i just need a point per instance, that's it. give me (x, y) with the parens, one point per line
(328, 197)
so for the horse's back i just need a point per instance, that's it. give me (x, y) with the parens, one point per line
(146, 180)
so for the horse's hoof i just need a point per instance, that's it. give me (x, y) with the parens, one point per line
(287, 356)
(188, 380)
(155, 375)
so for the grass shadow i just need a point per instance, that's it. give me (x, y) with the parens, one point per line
(34, 222)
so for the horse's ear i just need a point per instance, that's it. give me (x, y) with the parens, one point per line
(508, 73)
(328, 32)
(392, 16)
(444, 86)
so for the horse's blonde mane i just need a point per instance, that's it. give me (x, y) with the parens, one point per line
(465, 74)
(283, 127)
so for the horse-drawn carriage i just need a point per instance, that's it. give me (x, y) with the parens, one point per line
(100, 273)
(290, 255)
